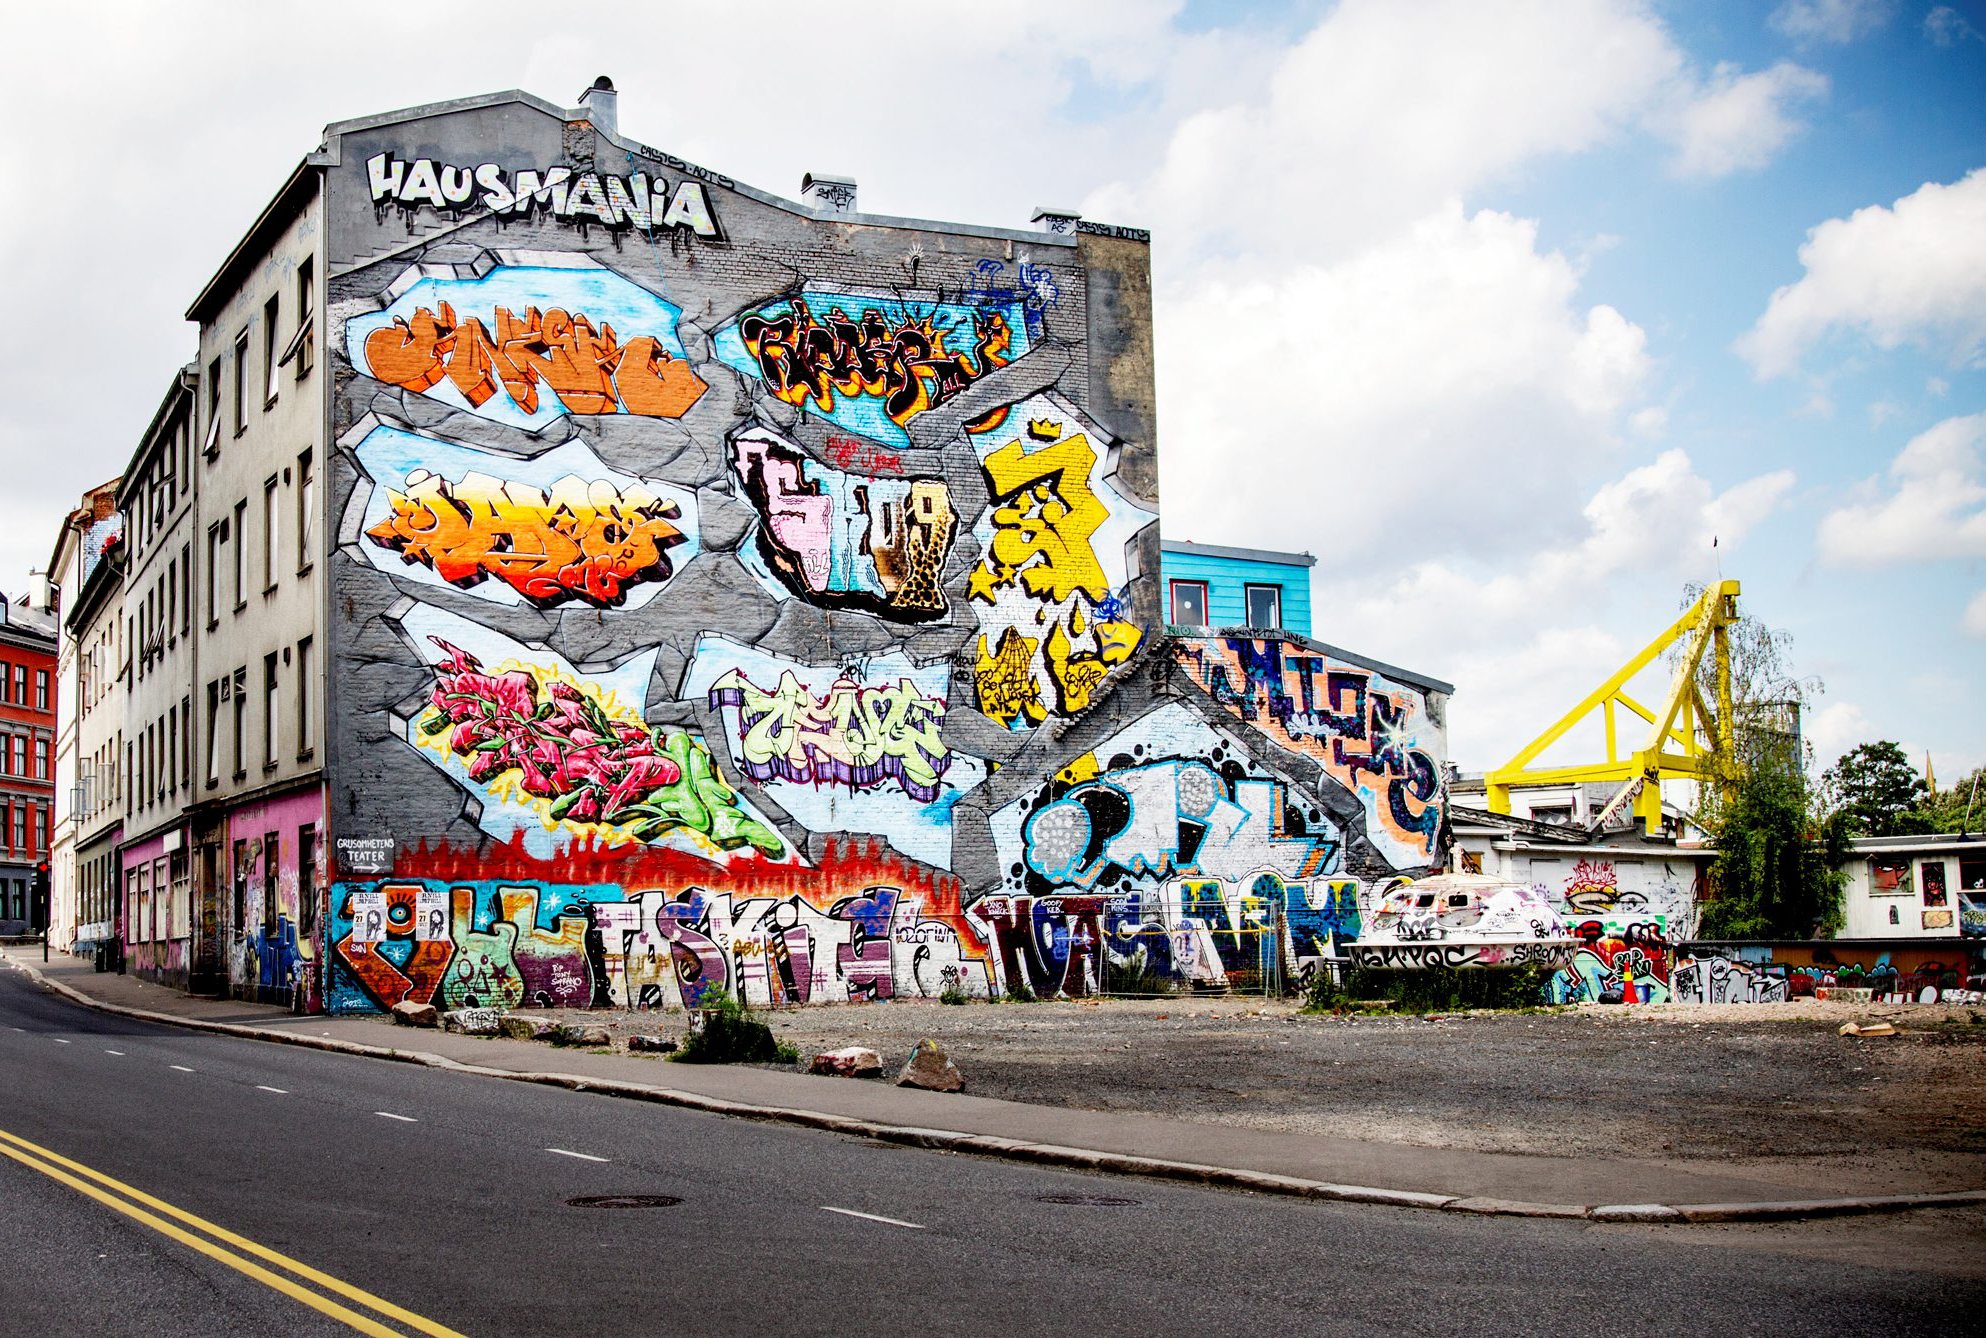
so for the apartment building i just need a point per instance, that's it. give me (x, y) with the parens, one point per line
(155, 852)
(87, 535)
(93, 625)
(256, 686)
(27, 757)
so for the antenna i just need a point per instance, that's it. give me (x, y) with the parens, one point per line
(1966, 825)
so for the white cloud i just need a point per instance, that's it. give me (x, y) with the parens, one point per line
(1934, 509)
(1947, 27)
(1974, 621)
(1532, 637)
(1419, 379)
(1358, 131)
(1911, 273)
(1834, 729)
(1736, 121)
(1836, 21)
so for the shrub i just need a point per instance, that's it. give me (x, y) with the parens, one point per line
(1434, 989)
(954, 993)
(731, 1035)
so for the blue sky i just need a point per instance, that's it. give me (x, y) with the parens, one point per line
(1468, 297)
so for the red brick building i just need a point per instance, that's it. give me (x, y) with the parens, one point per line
(27, 757)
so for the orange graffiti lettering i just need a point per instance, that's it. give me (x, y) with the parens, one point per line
(591, 541)
(585, 366)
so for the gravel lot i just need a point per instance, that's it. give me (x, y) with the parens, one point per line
(1669, 1082)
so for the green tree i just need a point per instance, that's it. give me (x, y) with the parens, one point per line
(1777, 871)
(1876, 790)
(1945, 811)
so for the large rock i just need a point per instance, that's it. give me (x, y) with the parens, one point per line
(473, 1021)
(523, 1028)
(651, 1045)
(591, 1037)
(408, 1013)
(854, 1061)
(931, 1068)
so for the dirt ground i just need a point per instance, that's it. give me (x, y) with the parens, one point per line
(1739, 1084)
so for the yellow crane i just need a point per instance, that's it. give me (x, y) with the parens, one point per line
(1687, 739)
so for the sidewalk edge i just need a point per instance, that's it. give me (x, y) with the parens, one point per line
(1047, 1154)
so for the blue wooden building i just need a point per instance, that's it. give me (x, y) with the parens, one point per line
(1210, 585)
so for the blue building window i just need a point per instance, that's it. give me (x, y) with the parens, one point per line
(1189, 603)
(1265, 605)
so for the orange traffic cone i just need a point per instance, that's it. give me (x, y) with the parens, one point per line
(1628, 995)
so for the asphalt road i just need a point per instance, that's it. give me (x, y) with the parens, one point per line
(449, 1195)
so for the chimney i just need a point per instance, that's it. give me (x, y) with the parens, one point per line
(1047, 218)
(834, 195)
(598, 102)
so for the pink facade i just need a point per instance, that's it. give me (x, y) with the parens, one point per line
(273, 864)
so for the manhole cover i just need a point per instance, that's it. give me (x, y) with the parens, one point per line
(1086, 1200)
(623, 1201)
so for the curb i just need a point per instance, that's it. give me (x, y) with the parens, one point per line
(1071, 1158)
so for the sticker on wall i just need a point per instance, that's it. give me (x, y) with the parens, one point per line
(560, 756)
(853, 747)
(872, 362)
(540, 335)
(560, 529)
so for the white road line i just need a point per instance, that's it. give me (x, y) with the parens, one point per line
(279, 1091)
(118, 1053)
(583, 1156)
(58, 1040)
(387, 1114)
(22, 1030)
(181, 1067)
(887, 1221)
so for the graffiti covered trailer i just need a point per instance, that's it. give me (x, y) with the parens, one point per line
(585, 197)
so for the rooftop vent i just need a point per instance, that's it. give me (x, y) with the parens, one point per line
(1047, 218)
(599, 103)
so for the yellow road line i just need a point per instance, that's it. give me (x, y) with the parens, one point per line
(362, 1323)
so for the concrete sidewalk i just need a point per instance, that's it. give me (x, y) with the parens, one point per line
(1302, 1164)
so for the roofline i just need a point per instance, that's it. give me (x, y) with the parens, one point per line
(1925, 841)
(329, 155)
(72, 522)
(95, 592)
(284, 206)
(148, 441)
(1276, 556)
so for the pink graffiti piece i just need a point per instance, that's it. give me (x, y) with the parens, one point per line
(799, 515)
(865, 959)
(563, 744)
(700, 966)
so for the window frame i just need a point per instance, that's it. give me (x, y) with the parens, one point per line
(1172, 602)
(241, 382)
(1249, 590)
(272, 312)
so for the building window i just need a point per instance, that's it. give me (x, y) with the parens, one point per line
(212, 447)
(269, 710)
(304, 346)
(240, 887)
(1189, 603)
(20, 826)
(271, 310)
(240, 554)
(41, 689)
(306, 508)
(241, 383)
(185, 588)
(306, 698)
(1265, 605)
(214, 541)
(20, 685)
(271, 527)
(214, 732)
(41, 759)
(1932, 872)
(306, 881)
(6, 695)
(240, 686)
(272, 901)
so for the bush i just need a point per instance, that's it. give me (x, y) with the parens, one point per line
(731, 1035)
(1434, 989)
(954, 993)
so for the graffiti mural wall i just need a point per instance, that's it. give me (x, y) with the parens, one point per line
(727, 595)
